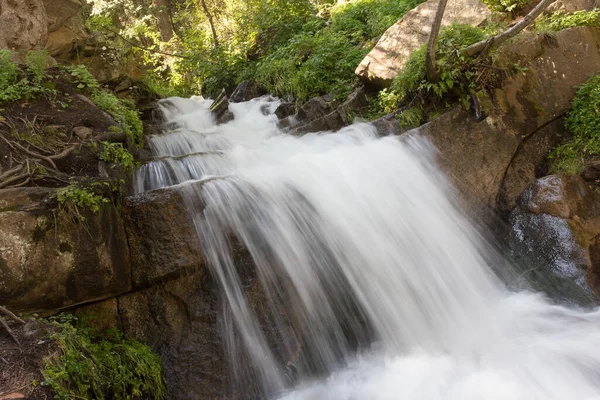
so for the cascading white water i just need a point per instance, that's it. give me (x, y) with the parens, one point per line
(381, 284)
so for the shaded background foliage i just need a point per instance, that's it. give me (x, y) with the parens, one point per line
(301, 48)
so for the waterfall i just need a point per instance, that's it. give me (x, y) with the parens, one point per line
(376, 285)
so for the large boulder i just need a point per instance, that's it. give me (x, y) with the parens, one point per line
(493, 161)
(554, 231)
(50, 259)
(162, 241)
(388, 57)
(23, 24)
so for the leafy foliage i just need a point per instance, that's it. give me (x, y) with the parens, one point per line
(507, 5)
(115, 153)
(101, 366)
(122, 111)
(559, 20)
(18, 83)
(584, 123)
(301, 48)
(76, 199)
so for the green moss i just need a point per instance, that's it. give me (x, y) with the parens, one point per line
(90, 365)
(584, 123)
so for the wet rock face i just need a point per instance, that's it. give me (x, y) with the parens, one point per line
(553, 236)
(162, 241)
(494, 160)
(49, 260)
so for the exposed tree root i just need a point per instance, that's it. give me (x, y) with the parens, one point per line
(12, 316)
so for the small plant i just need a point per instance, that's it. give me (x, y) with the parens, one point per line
(584, 123)
(101, 366)
(76, 199)
(36, 62)
(559, 20)
(82, 77)
(458, 77)
(122, 111)
(507, 5)
(115, 153)
(17, 84)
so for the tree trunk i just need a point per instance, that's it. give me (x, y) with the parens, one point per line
(486, 45)
(210, 22)
(433, 73)
(163, 19)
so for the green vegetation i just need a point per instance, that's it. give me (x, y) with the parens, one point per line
(302, 48)
(507, 5)
(122, 111)
(584, 123)
(18, 83)
(117, 154)
(101, 366)
(460, 77)
(79, 198)
(559, 20)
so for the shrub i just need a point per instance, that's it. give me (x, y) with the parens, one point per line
(107, 366)
(584, 123)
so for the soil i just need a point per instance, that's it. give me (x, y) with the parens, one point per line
(45, 125)
(21, 364)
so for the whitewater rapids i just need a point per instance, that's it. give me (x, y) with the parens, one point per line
(359, 239)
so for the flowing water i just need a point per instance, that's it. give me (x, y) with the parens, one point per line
(377, 286)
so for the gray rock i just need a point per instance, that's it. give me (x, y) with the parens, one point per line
(83, 132)
(388, 57)
(245, 91)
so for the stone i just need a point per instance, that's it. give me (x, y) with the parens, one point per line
(490, 161)
(83, 132)
(341, 116)
(553, 232)
(388, 57)
(50, 260)
(162, 241)
(246, 91)
(179, 320)
(315, 108)
(102, 315)
(23, 24)
(387, 125)
(592, 172)
(285, 109)
(571, 5)
(220, 108)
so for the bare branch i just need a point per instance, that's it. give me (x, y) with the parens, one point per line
(486, 45)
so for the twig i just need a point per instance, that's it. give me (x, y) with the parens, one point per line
(10, 332)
